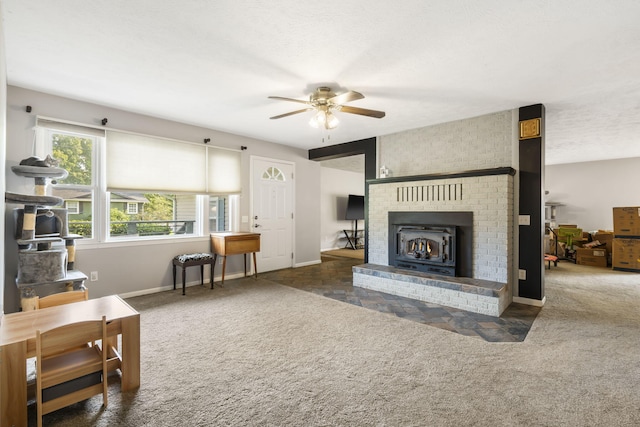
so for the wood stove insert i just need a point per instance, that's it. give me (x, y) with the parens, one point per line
(432, 242)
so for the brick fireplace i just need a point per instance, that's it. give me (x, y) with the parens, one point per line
(484, 260)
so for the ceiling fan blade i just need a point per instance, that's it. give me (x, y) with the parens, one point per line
(362, 111)
(291, 113)
(290, 99)
(345, 97)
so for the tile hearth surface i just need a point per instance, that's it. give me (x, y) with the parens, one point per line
(333, 279)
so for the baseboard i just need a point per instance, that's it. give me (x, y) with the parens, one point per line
(179, 285)
(530, 301)
(304, 264)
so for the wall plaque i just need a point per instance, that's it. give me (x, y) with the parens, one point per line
(530, 128)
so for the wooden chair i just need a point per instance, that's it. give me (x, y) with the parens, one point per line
(45, 302)
(62, 298)
(58, 361)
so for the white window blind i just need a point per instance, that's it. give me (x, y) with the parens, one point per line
(43, 122)
(224, 171)
(139, 162)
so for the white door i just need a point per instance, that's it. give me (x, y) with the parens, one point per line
(272, 212)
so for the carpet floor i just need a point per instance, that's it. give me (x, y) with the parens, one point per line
(333, 278)
(258, 353)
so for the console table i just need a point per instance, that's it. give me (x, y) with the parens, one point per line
(235, 243)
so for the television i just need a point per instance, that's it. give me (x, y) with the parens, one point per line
(355, 207)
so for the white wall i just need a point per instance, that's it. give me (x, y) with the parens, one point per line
(588, 191)
(146, 266)
(335, 187)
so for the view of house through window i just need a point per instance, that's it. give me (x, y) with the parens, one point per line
(151, 214)
(218, 214)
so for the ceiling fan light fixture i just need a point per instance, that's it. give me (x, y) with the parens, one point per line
(319, 119)
(331, 121)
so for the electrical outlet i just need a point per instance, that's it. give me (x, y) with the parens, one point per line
(221, 260)
(94, 276)
(522, 274)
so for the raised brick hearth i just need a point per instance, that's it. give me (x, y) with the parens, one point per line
(475, 295)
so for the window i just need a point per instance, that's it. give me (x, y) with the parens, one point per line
(124, 186)
(132, 208)
(169, 180)
(73, 207)
(74, 147)
(273, 174)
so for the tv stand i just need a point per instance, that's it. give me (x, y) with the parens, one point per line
(354, 237)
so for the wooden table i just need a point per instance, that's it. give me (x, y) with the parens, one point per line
(17, 343)
(235, 243)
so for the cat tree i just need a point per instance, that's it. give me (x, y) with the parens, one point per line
(44, 266)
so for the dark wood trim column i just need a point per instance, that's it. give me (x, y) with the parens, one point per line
(531, 205)
(362, 146)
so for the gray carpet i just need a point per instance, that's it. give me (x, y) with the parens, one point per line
(256, 353)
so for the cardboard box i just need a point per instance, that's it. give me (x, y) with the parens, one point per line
(626, 221)
(596, 257)
(606, 238)
(626, 254)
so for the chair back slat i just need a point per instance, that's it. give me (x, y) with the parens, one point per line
(68, 337)
(62, 298)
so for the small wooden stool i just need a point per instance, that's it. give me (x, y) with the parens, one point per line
(187, 260)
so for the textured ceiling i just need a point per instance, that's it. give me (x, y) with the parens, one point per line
(213, 63)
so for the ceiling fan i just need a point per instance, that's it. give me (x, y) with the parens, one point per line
(326, 102)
